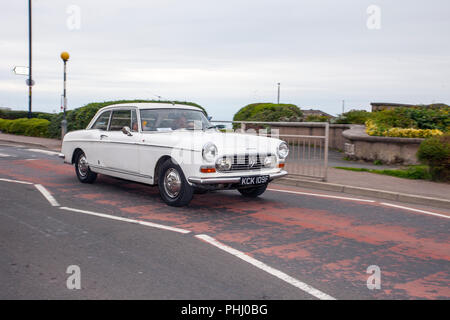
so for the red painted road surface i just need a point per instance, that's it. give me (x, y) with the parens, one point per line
(327, 243)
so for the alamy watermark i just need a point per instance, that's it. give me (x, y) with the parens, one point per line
(374, 19)
(74, 280)
(73, 21)
(374, 280)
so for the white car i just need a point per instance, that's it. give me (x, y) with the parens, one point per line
(174, 147)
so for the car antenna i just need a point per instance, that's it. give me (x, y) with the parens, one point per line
(159, 98)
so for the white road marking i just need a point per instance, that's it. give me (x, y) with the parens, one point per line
(51, 153)
(6, 155)
(47, 195)
(321, 195)
(279, 274)
(415, 210)
(15, 181)
(144, 223)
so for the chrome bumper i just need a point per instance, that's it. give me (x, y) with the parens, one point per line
(218, 180)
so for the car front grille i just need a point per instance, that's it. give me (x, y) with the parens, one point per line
(245, 162)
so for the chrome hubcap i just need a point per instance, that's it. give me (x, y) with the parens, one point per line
(172, 183)
(83, 166)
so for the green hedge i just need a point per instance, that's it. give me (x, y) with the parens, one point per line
(419, 117)
(27, 127)
(19, 114)
(353, 117)
(269, 112)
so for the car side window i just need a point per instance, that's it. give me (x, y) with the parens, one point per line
(134, 122)
(120, 119)
(102, 121)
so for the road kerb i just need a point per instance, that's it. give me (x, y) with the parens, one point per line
(376, 193)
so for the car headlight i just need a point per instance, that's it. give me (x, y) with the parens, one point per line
(223, 164)
(283, 150)
(269, 161)
(209, 152)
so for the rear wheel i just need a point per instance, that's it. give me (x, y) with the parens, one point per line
(84, 174)
(253, 192)
(173, 186)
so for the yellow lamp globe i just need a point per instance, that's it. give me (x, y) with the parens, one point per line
(65, 56)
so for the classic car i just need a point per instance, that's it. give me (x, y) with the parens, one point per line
(174, 147)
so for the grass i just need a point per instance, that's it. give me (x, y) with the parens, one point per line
(411, 172)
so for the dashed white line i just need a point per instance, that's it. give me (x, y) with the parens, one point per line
(277, 273)
(415, 210)
(51, 153)
(15, 181)
(321, 195)
(144, 223)
(6, 155)
(47, 195)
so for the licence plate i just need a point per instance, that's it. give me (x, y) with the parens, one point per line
(248, 181)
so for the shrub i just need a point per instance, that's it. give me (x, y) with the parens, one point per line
(435, 152)
(19, 114)
(353, 117)
(29, 127)
(373, 129)
(414, 117)
(268, 112)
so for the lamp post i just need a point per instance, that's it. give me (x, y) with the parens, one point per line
(65, 58)
(278, 99)
(30, 78)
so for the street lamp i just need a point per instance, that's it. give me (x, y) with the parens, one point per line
(65, 58)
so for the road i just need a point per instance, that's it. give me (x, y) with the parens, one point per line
(291, 243)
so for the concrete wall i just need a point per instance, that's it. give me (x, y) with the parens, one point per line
(357, 144)
(336, 140)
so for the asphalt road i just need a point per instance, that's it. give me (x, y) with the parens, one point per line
(324, 242)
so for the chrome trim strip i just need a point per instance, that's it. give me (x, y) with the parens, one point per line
(122, 171)
(61, 155)
(198, 180)
(133, 143)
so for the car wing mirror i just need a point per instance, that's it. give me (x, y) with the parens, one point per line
(127, 131)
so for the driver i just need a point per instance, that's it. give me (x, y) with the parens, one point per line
(182, 123)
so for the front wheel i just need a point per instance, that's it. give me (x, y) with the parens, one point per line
(253, 192)
(84, 174)
(173, 186)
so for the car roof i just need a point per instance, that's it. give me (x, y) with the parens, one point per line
(152, 105)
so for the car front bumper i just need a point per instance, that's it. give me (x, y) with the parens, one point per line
(237, 179)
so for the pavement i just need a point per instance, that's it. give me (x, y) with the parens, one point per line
(51, 144)
(291, 243)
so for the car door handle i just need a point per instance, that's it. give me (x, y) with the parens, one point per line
(103, 136)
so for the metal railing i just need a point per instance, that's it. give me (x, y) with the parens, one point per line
(308, 154)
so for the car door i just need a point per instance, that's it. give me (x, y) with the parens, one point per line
(120, 150)
(94, 147)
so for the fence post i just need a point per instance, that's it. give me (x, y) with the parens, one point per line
(325, 154)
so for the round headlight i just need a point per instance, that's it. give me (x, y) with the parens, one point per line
(223, 164)
(269, 161)
(283, 150)
(209, 152)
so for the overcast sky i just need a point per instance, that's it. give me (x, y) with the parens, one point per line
(226, 54)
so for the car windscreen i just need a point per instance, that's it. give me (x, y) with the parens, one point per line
(173, 119)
